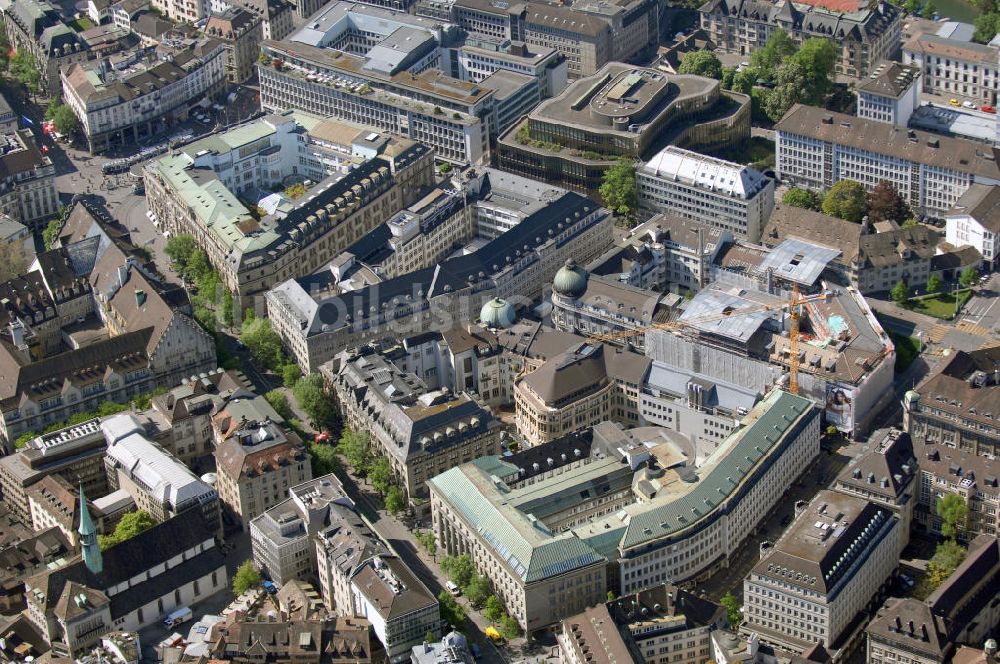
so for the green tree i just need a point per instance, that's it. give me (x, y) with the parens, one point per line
(381, 475)
(803, 198)
(789, 88)
(427, 540)
(900, 292)
(987, 27)
(934, 284)
(909, 223)
(818, 57)
(928, 11)
(227, 308)
(969, 276)
(611, 596)
(279, 402)
(701, 63)
(51, 233)
(247, 576)
(459, 569)
(885, 204)
(314, 400)
(728, 74)
(429, 637)
(734, 612)
(179, 249)
(745, 79)
(131, 524)
(452, 612)
(478, 591)
(508, 628)
(846, 199)
(952, 510)
(263, 343)
(354, 446)
(290, 374)
(912, 6)
(395, 502)
(618, 189)
(25, 71)
(778, 48)
(323, 459)
(65, 120)
(493, 609)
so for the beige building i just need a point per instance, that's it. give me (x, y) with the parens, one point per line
(240, 31)
(341, 547)
(37, 26)
(588, 384)
(421, 432)
(27, 181)
(951, 67)
(257, 461)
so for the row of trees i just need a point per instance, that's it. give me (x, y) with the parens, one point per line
(949, 553)
(900, 293)
(478, 589)
(847, 199)
(355, 448)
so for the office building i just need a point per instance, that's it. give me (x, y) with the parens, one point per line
(865, 31)
(590, 34)
(257, 460)
(550, 519)
(157, 481)
(889, 94)
(148, 96)
(282, 538)
(27, 183)
(421, 432)
(955, 67)
(590, 383)
(621, 110)
(962, 610)
(720, 194)
(478, 58)
(196, 192)
(828, 567)
(240, 31)
(663, 624)
(816, 148)
(38, 28)
(318, 322)
(975, 221)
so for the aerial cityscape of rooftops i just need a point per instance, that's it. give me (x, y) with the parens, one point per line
(536, 332)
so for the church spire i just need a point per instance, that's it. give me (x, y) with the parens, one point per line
(88, 538)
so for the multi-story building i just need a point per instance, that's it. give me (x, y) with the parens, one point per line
(831, 565)
(28, 180)
(621, 110)
(975, 221)
(240, 31)
(944, 471)
(421, 432)
(479, 58)
(589, 35)
(37, 27)
(733, 198)
(514, 267)
(282, 538)
(196, 192)
(155, 479)
(182, 11)
(55, 503)
(955, 405)
(588, 384)
(816, 148)
(398, 605)
(75, 453)
(885, 472)
(341, 548)
(269, 640)
(663, 624)
(33, 553)
(963, 609)
(257, 460)
(382, 69)
(865, 31)
(145, 97)
(550, 519)
(889, 94)
(954, 67)
(131, 585)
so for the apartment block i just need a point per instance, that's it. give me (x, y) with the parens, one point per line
(27, 184)
(38, 27)
(816, 148)
(240, 31)
(955, 67)
(719, 194)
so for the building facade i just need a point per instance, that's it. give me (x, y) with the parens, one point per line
(890, 94)
(975, 221)
(37, 27)
(27, 185)
(952, 67)
(240, 31)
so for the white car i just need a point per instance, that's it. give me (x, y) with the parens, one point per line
(968, 104)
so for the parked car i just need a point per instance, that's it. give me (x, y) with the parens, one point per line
(986, 108)
(181, 615)
(477, 652)
(968, 104)
(270, 588)
(953, 102)
(453, 588)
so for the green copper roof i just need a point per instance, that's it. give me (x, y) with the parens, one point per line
(531, 550)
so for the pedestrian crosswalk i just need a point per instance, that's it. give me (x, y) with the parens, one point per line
(972, 328)
(990, 343)
(936, 334)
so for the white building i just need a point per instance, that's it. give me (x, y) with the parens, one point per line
(889, 94)
(816, 148)
(143, 98)
(27, 181)
(975, 221)
(717, 193)
(826, 569)
(479, 58)
(952, 67)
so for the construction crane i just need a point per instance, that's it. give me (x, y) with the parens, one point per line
(793, 304)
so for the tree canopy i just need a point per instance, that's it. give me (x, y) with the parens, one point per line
(987, 27)
(452, 612)
(818, 58)
(354, 446)
(789, 87)
(395, 501)
(969, 276)
(618, 189)
(952, 510)
(264, 344)
(381, 475)
(732, 607)
(701, 63)
(846, 199)
(312, 398)
(934, 284)
(766, 60)
(885, 204)
(247, 576)
(459, 569)
(900, 292)
(131, 524)
(803, 198)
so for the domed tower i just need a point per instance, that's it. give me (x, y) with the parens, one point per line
(570, 281)
(497, 314)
